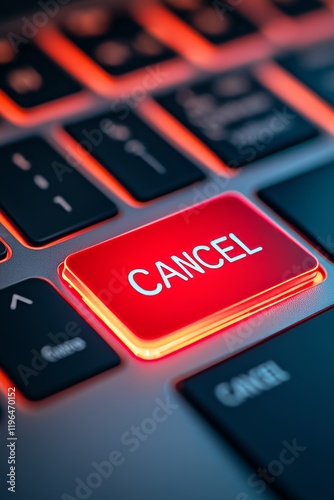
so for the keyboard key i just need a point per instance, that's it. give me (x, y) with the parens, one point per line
(46, 346)
(274, 402)
(307, 202)
(297, 7)
(44, 196)
(237, 118)
(314, 66)
(223, 249)
(218, 22)
(3, 251)
(115, 42)
(30, 78)
(142, 161)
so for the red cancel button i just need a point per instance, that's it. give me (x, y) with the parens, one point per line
(167, 284)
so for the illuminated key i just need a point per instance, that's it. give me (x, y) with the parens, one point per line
(165, 285)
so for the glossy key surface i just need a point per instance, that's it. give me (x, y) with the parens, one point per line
(44, 196)
(218, 21)
(46, 346)
(237, 118)
(115, 42)
(314, 67)
(132, 151)
(151, 285)
(28, 76)
(275, 403)
(307, 202)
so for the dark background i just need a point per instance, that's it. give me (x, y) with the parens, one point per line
(14, 7)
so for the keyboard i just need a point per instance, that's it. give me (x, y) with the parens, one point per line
(166, 250)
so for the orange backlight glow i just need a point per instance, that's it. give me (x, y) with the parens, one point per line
(292, 91)
(163, 24)
(93, 76)
(53, 110)
(189, 275)
(9, 252)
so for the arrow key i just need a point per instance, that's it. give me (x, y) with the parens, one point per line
(46, 345)
(16, 298)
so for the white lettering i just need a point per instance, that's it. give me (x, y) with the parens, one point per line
(223, 251)
(183, 264)
(203, 248)
(138, 288)
(161, 266)
(188, 263)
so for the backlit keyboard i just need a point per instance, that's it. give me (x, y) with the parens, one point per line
(146, 151)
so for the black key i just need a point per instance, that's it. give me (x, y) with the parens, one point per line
(237, 118)
(3, 251)
(115, 42)
(46, 346)
(135, 155)
(307, 202)
(46, 197)
(297, 7)
(314, 66)
(275, 403)
(217, 21)
(30, 78)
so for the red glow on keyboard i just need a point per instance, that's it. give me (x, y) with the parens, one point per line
(93, 76)
(168, 284)
(294, 92)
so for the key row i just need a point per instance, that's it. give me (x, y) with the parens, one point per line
(116, 45)
(237, 118)
(47, 198)
(217, 244)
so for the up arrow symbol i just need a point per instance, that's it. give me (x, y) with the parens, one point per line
(16, 299)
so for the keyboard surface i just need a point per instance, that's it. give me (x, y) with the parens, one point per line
(115, 118)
